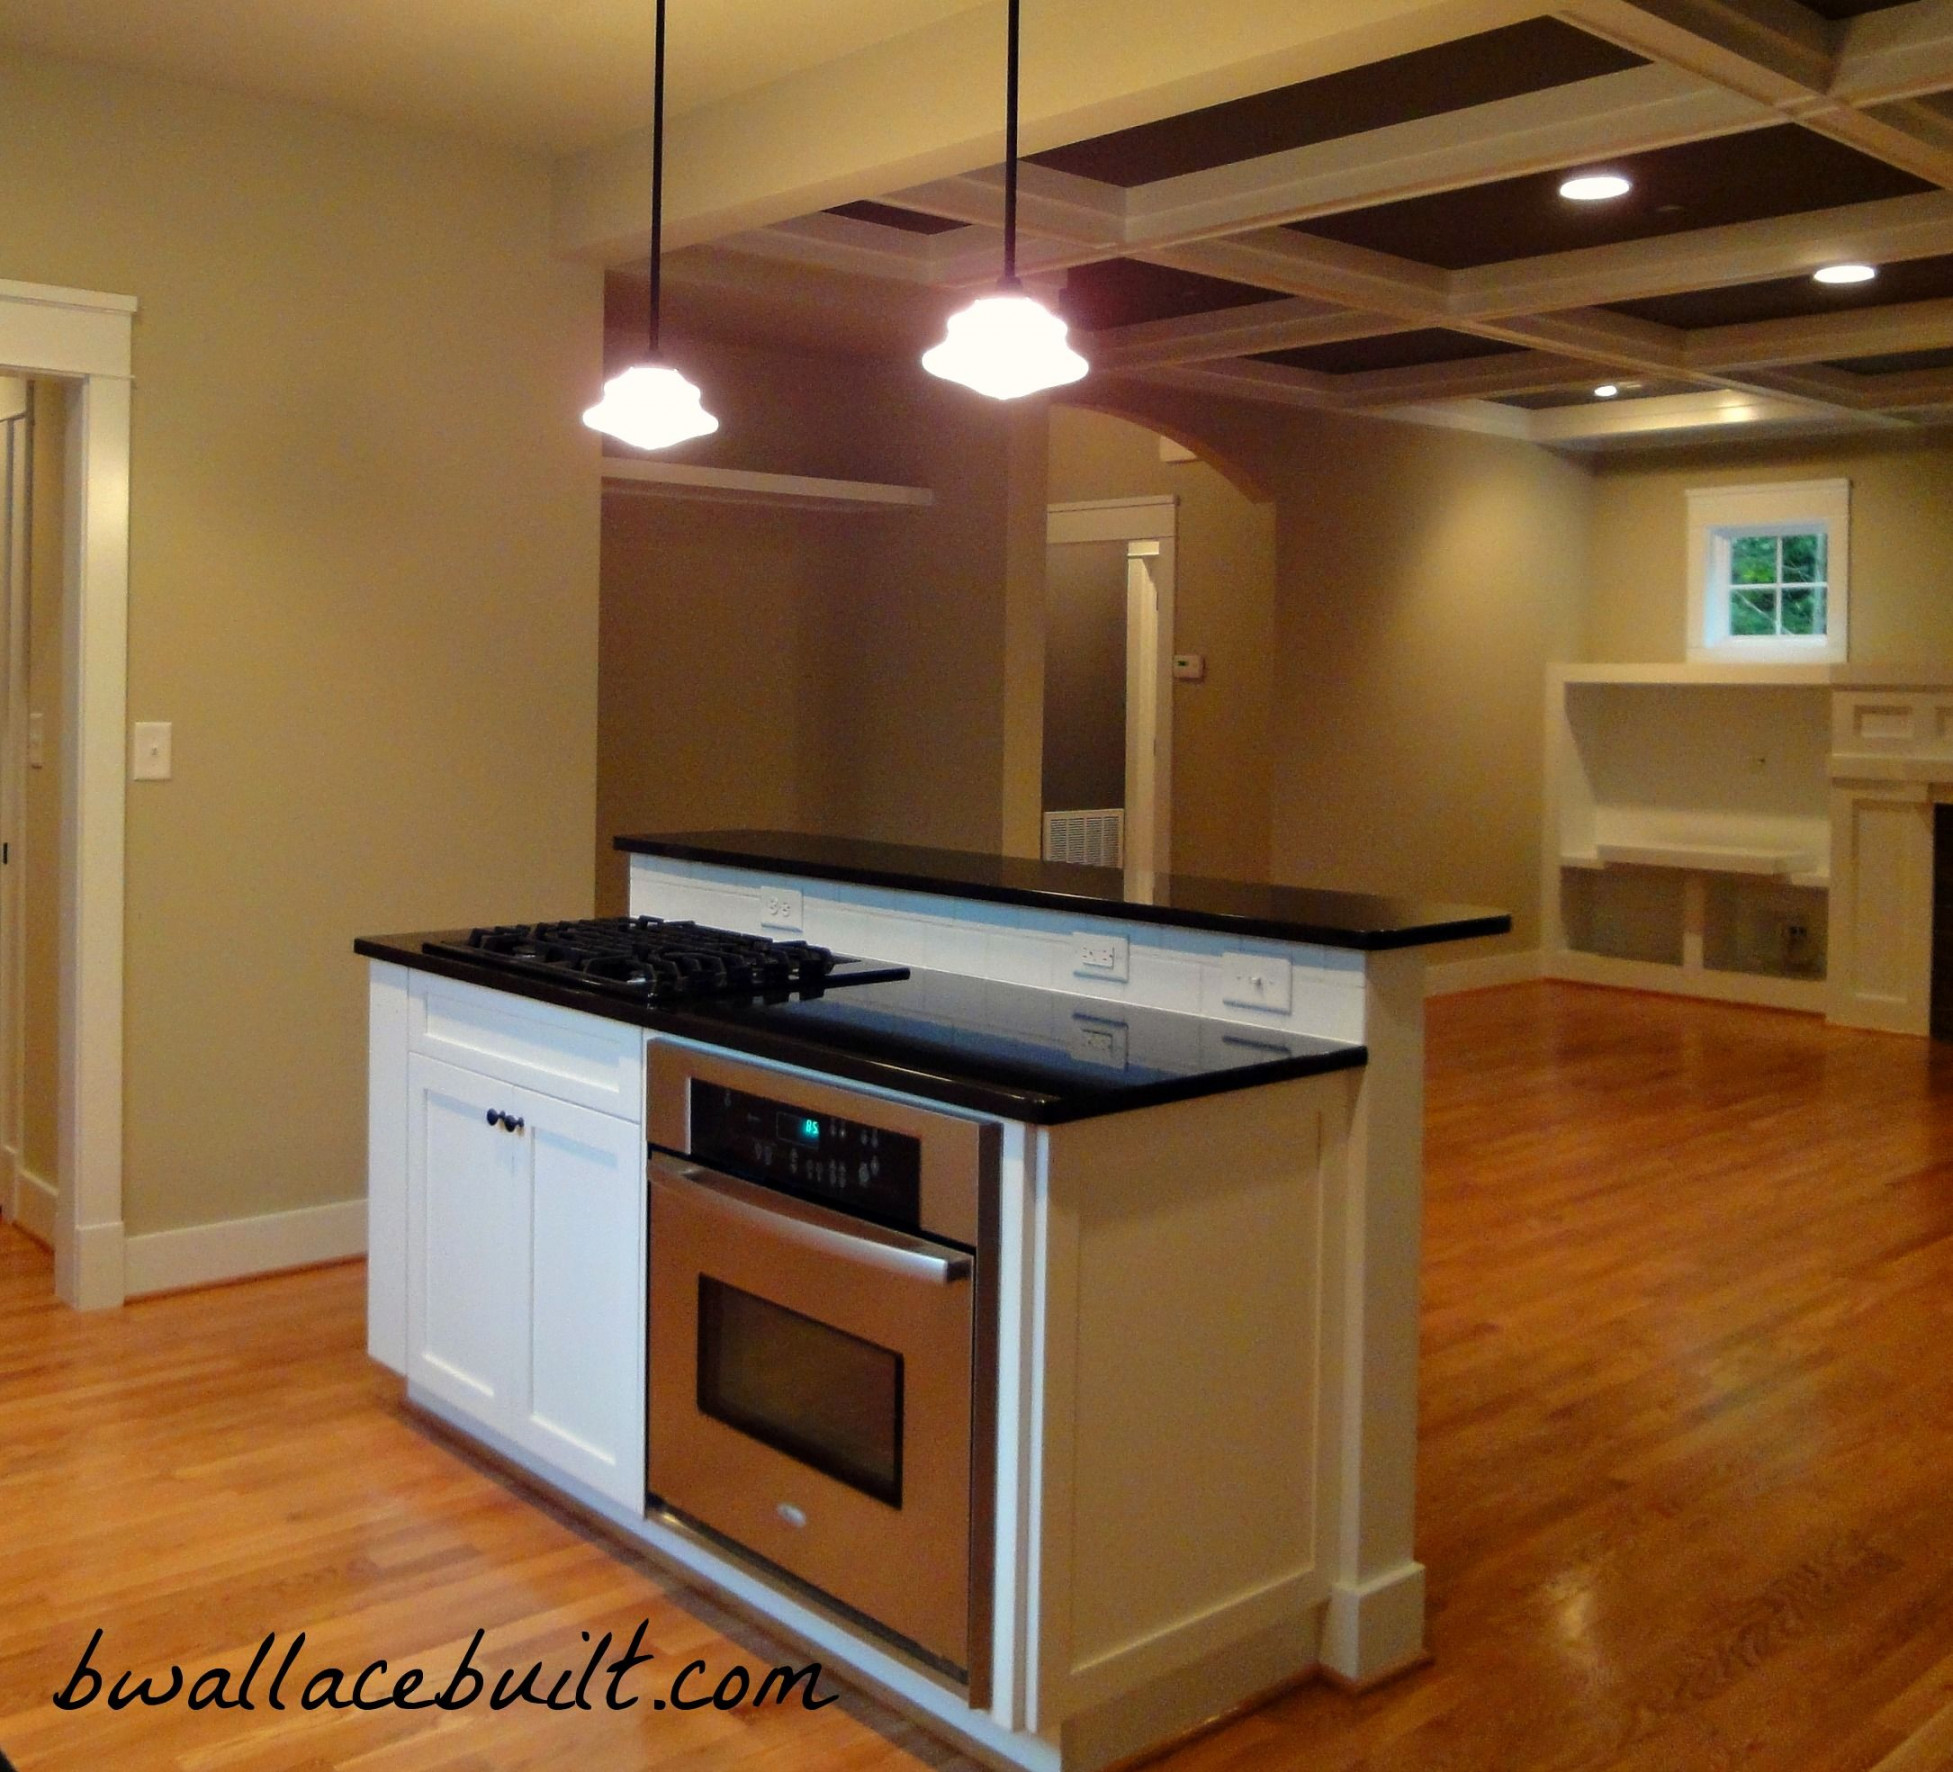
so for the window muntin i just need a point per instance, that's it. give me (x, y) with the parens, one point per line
(1776, 581)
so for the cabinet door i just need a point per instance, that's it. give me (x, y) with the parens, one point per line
(582, 1404)
(467, 1241)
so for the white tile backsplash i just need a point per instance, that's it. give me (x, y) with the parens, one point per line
(1175, 969)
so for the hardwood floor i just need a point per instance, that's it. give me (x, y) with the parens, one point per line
(1687, 1490)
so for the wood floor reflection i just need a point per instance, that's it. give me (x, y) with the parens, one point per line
(1687, 1484)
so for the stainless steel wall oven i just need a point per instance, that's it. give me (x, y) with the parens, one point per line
(823, 1343)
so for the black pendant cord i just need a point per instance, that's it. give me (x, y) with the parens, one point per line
(1010, 151)
(658, 175)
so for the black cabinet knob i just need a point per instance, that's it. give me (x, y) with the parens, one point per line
(514, 1125)
(494, 1119)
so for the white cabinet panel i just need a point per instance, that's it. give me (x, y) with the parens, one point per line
(467, 1237)
(585, 1392)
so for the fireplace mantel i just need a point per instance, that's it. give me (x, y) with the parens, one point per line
(1891, 764)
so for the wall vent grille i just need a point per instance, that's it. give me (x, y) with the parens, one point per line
(1096, 838)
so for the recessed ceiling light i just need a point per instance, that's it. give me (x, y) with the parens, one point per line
(1606, 391)
(1846, 274)
(1595, 187)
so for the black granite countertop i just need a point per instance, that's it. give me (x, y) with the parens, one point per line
(1186, 901)
(1023, 1054)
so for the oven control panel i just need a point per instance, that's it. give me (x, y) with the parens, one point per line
(859, 1168)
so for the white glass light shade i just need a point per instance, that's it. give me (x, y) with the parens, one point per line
(1846, 274)
(1607, 390)
(1006, 345)
(650, 406)
(1595, 187)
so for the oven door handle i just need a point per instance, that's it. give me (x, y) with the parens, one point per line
(813, 1227)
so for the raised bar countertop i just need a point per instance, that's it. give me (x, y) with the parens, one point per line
(1023, 1054)
(1185, 901)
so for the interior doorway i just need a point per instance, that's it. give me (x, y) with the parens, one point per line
(1108, 702)
(80, 342)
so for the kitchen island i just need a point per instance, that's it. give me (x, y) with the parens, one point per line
(1193, 1469)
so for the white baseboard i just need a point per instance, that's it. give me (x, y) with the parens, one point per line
(34, 1205)
(1375, 1627)
(234, 1249)
(1482, 971)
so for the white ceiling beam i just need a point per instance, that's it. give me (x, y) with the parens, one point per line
(1244, 379)
(1920, 226)
(1816, 338)
(1613, 114)
(1772, 51)
(1679, 414)
(1594, 336)
(907, 111)
(1299, 264)
(1895, 54)
(1475, 378)
(1782, 55)
(1914, 390)
(1285, 325)
(1059, 205)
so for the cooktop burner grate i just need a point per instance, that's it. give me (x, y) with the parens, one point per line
(649, 960)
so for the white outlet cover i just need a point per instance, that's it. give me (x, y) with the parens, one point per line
(780, 908)
(1097, 1041)
(1257, 981)
(1101, 956)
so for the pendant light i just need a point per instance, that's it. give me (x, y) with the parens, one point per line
(1007, 344)
(650, 405)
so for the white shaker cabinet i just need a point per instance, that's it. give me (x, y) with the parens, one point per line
(524, 1248)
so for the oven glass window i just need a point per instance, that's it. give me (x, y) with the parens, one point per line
(814, 1392)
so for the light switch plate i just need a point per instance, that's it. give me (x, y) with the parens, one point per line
(780, 907)
(37, 741)
(1101, 956)
(152, 751)
(1190, 667)
(1256, 981)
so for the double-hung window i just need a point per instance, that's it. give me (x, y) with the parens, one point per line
(1768, 573)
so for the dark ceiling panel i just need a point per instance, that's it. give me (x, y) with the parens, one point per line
(1895, 362)
(1505, 63)
(1849, 8)
(1126, 291)
(1394, 350)
(1647, 390)
(886, 215)
(1793, 298)
(1782, 170)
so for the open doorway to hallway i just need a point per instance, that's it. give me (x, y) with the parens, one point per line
(1159, 606)
(33, 446)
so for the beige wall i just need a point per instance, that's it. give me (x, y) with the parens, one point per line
(1901, 542)
(810, 670)
(1224, 607)
(41, 838)
(1424, 579)
(362, 584)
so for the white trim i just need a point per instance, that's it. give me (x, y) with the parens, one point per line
(1714, 512)
(1112, 519)
(1806, 995)
(33, 1205)
(235, 1248)
(87, 338)
(1479, 972)
(683, 480)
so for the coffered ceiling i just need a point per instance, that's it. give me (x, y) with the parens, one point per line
(1389, 236)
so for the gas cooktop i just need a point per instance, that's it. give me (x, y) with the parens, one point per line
(649, 960)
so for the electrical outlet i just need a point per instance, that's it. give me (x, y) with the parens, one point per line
(1101, 956)
(37, 741)
(780, 907)
(1256, 981)
(1098, 1041)
(152, 751)
(1190, 667)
